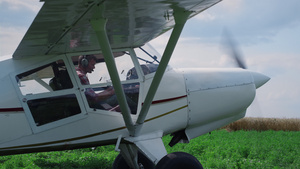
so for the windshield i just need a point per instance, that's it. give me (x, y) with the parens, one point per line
(149, 60)
(147, 55)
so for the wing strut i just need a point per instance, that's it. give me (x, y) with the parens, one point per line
(181, 17)
(99, 26)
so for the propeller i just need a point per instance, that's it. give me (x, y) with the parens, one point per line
(232, 49)
(234, 52)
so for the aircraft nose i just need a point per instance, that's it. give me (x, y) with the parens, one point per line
(259, 79)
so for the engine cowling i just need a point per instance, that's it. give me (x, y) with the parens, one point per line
(217, 97)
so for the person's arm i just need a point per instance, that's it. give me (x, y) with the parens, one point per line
(105, 94)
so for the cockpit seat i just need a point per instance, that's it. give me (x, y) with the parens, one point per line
(61, 81)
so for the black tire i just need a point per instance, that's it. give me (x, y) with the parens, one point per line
(179, 160)
(120, 162)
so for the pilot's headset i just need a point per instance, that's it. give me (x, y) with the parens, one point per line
(84, 61)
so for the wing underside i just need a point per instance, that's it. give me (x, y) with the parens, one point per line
(63, 27)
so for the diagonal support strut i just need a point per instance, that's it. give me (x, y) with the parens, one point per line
(99, 26)
(181, 17)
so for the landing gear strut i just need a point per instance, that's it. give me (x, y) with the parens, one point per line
(143, 162)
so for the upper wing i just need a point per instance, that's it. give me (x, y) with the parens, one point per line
(62, 26)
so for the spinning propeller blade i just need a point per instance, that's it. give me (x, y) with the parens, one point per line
(232, 49)
(259, 79)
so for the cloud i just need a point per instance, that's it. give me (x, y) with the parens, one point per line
(279, 98)
(10, 38)
(205, 16)
(191, 52)
(18, 15)
(17, 5)
(253, 22)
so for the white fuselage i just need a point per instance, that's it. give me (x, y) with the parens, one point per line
(194, 100)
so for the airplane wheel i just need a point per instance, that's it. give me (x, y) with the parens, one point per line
(179, 160)
(143, 161)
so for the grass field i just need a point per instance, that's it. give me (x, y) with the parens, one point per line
(220, 149)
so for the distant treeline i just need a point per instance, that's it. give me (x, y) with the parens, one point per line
(264, 124)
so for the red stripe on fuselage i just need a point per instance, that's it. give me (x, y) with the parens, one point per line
(11, 109)
(167, 100)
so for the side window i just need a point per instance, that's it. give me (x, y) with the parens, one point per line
(100, 73)
(50, 109)
(35, 86)
(99, 92)
(47, 78)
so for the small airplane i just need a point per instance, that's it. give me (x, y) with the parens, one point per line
(45, 105)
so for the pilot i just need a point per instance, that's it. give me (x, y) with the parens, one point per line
(86, 64)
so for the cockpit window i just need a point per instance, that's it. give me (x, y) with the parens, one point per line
(100, 74)
(36, 85)
(98, 89)
(47, 78)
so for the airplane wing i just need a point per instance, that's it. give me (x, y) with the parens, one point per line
(64, 26)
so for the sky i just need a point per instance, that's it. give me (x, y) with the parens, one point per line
(266, 32)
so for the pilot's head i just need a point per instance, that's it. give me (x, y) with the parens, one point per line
(87, 63)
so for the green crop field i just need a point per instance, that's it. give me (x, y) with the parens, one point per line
(220, 149)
